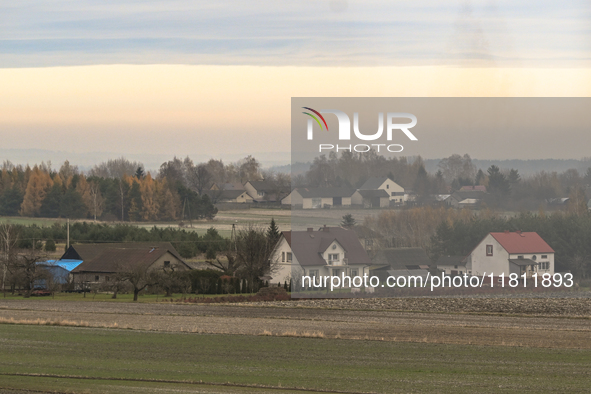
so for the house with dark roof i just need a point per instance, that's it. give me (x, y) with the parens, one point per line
(228, 196)
(395, 191)
(400, 262)
(265, 191)
(328, 251)
(227, 186)
(511, 252)
(452, 265)
(319, 197)
(466, 199)
(102, 262)
(371, 198)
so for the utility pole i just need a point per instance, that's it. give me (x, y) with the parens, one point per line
(68, 231)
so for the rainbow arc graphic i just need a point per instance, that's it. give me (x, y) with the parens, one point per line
(315, 118)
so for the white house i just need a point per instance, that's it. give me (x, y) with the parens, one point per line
(511, 252)
(329, 251)
(394, 190)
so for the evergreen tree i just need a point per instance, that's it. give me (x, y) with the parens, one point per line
(273, 233)
(348, 221)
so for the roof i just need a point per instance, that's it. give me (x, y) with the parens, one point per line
(373, 193)
(117, 259)
(521, 262)
(451, 260)
(462, 195)
(231, 186)
(406, 273)
(522, 242)
(403, 258)
(481, 188)
(224, 194)
(66, 264)
(325, 192)
(374, 183)
(308, 246)
(262, 186)
(469, 201)
(91, 250)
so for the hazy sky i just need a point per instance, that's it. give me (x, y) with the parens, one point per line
(214, 79)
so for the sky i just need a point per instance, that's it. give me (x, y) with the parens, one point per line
(92, 80)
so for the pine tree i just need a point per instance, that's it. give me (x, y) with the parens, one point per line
(348, 221)
(273, 233)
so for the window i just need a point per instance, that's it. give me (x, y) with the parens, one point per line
(96, 278)
(534, 257)
(107, 279)
(544, 256)
(313, 273)
(283, 257)
(489, 250)
(167, 263)
(336, 272)
(288, 257)
(333, 257)
(520, 257)
(455, 266)
(387, 186)
(469, 272)
(369, 242)
(393, 193)
(354, 273)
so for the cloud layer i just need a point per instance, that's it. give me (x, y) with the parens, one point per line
(36, 33)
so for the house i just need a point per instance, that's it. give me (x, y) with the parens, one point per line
(511, 252)
(370, 240)
(371, 198)
(479, 188)
(228, 196)
(227, 186)
(462, 199)
(101, 262)
(400, 262)
(395, 192)
(329, 251)
(265, 191)
(452, 265)
(319, 197)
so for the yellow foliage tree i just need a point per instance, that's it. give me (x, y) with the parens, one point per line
(37, 187)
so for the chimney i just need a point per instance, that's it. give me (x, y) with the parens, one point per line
(325, 229)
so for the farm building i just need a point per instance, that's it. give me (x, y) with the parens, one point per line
(101, 262)
(394, 191)
(400, 262)
(319, 197)
(371, 198)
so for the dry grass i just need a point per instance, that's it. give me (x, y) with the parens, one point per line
(294, 333)
(62, 323)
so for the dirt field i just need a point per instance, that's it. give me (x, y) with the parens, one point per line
(565, 324)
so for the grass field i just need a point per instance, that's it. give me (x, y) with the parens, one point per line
(116, 357)
(107, 297)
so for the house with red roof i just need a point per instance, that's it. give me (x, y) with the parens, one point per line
(511, 252)
(328, 251)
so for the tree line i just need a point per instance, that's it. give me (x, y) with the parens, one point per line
(506, 188)
(120, 189)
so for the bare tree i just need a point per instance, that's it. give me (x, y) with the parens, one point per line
(27, 269)
(139, 277)
(8, 240)
(253, 254)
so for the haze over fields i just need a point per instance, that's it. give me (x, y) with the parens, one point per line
(89, 82)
